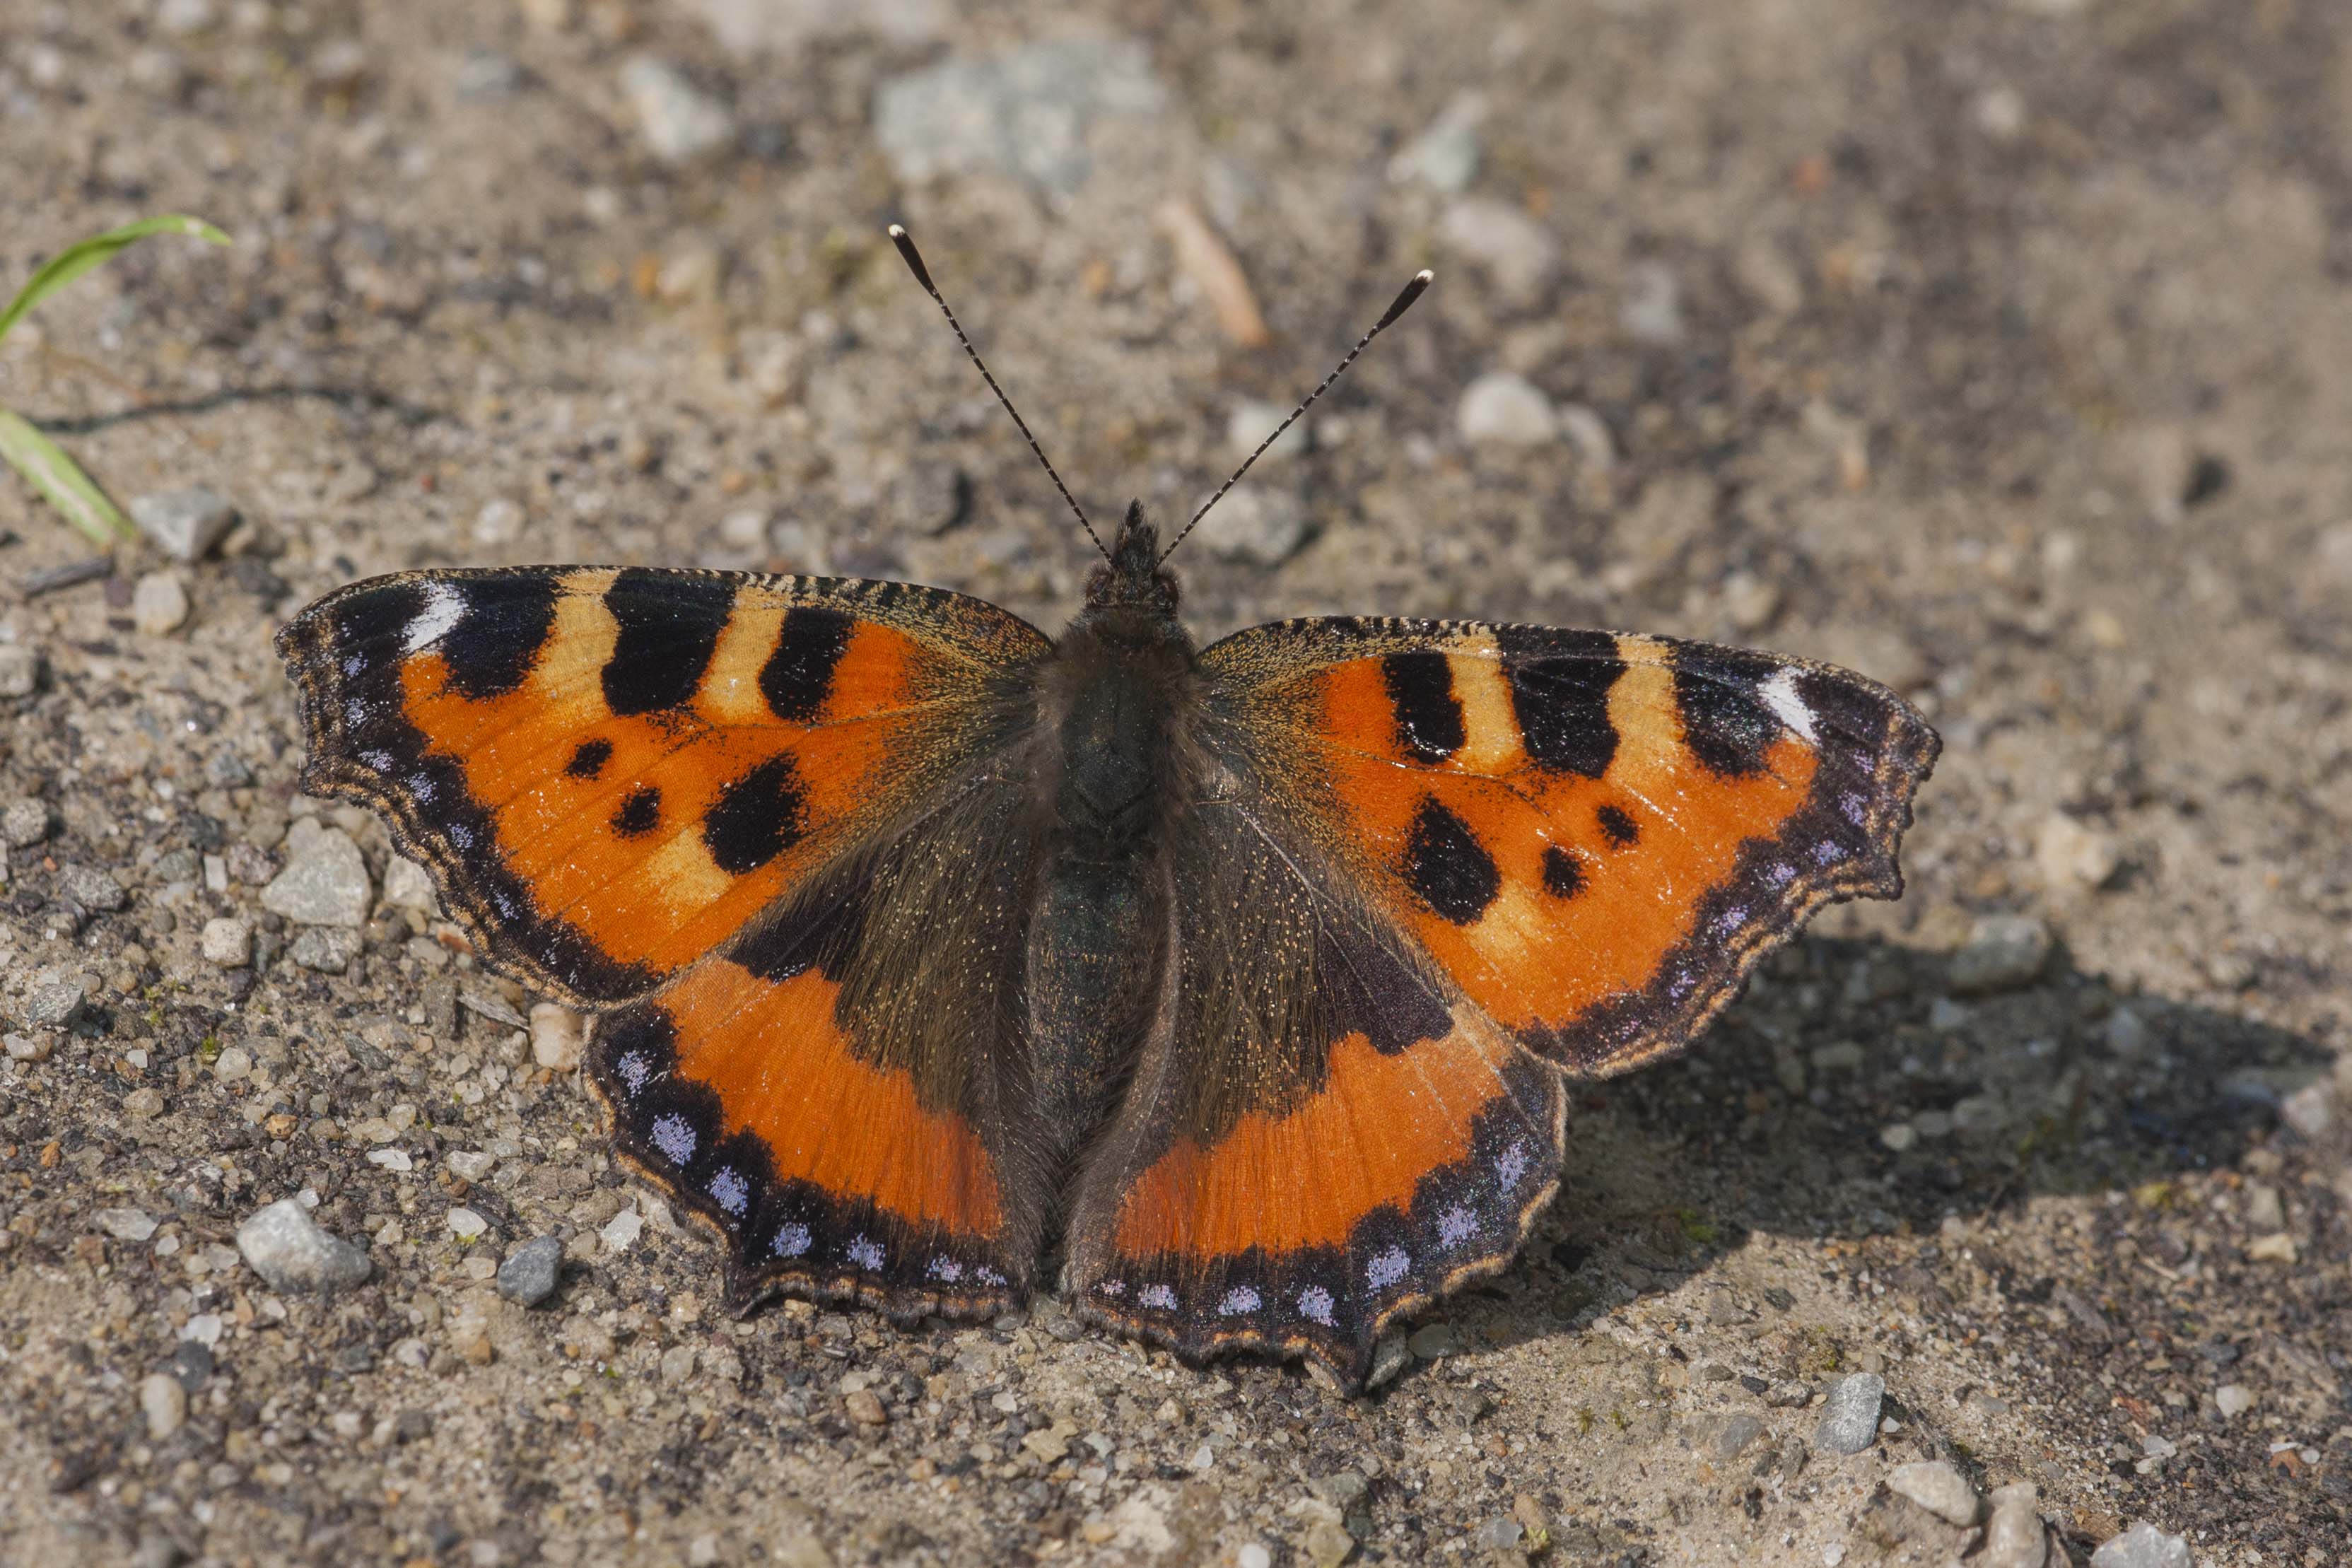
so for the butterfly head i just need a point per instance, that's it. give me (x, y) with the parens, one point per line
(1132, 581)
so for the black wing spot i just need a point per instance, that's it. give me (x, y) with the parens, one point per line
(589, 760)
(1620, 830)
(1428, 715)
(640, 814)
(669, 626)
(1447, 867)
(1559, 694)
(1563, 873)
(756, 818)
(495, 641)
(798, 677)
(1725, 722)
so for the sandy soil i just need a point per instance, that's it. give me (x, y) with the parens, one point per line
(1997, 349)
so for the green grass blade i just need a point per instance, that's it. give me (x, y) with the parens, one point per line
(57, 477)
(76, 259)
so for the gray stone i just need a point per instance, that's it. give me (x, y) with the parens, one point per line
(1937, 1488)
(327, 950)
(1432, 1341)
(325, 882)
(53, 1003)
(287, 1249)
(2002, 954)
(2143, 1546)
(182, 17)
(228, 942)
(1734, 1436)
(1254, 526)
(1850, 1419)
(680, 122)
(24, 823)
(1391, 1356)
(2013, 1536)
(407, 885)
(1518, 255)
(1445, 156)
(184, 524)
(20, 669)
(1505, 410)
(1500, 1534)
(2234, 1399)
(1653, 309)
(1026, 112)
(127, 1224)
(2309, 1111)
(92, 889)
(485, 75)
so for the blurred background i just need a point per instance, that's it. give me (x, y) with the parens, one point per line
(1995, 348)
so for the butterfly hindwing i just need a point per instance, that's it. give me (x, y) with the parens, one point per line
(834, 1092)
(1319, 1135)
(611, 772)
(1595, 837)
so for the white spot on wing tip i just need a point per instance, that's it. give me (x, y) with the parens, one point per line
(443, 608)
(1779, 694)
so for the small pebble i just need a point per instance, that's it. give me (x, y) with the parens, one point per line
(1501, 408)
(528, 1275)
(127, 1224)
(470, 1164)
(20, 669)
(288, 1250)
(2003, 952)
(1445, 156)
(2309, 1111)
(186, 524)
(324, 948)
(2234, 1399)
(164, 1403)
(1939, 1488)
(1652, 308)
(408, 886)
(500, 522)
(559, 1036)
(466, 1225)
(1432, 1341)
(53, 1003)
(2072, 858)
(1256, 526)
(1391, 1356)
(864, 1408)
(228, 942)
(2013, 1536)
(1849, 1421)
(2143, 1546)
(325, 882)
(234, 1065)
(92, 889)
(1735, 1434)
(24, 823)
(159, 605)
(1254, 1554)
(1499, 1534)
(680, 122)
(1027, 111)
(1517, 254)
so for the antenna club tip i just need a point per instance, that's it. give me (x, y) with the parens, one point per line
(896, 231)
(1425, 277)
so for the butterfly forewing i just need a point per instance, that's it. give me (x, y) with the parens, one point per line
(610, 772)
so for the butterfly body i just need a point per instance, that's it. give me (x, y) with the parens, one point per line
(1232, 990)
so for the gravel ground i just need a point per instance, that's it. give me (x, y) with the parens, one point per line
(1996, 348)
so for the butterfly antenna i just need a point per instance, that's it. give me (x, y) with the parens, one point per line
(1411, 291)
(914, 261)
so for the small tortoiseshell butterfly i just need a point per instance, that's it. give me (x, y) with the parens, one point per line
(1250, 974)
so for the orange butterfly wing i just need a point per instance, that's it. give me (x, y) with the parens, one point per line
(1487, 854)
(721, 798)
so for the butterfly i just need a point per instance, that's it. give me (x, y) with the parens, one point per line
(1237, 986)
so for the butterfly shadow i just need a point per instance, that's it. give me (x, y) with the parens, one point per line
(1850, 1095)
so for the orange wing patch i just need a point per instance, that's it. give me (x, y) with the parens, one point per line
(748, 1100)
(1308, 1176)
(1593, 835)
(783, 1072)
(611, 772)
